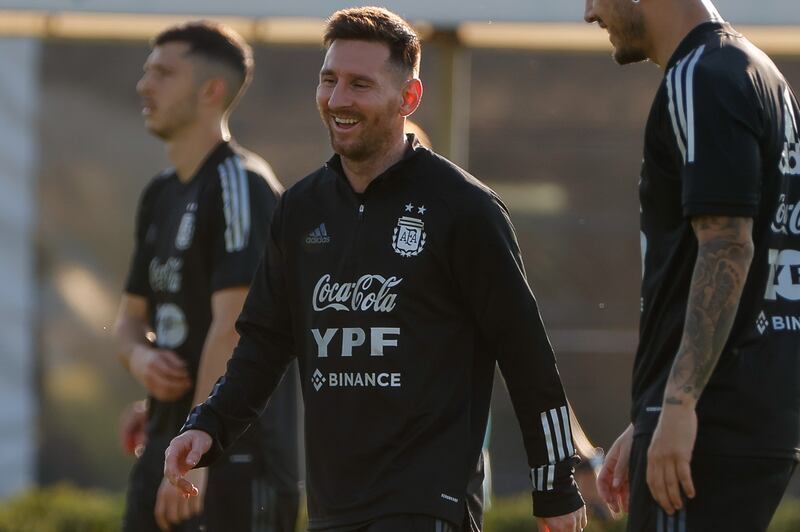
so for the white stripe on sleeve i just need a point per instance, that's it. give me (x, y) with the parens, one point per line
(675, 126)
(690, 102)
(244, 187)
(559, 437)
(548, 438)
(226, 206)
(567, 430)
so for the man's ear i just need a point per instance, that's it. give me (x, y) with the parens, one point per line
(412, 96)
(214, 91)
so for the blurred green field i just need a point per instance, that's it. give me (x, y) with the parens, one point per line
(64, 508)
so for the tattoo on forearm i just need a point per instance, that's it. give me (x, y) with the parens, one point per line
(719, 276)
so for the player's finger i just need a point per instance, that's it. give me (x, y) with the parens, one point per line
(168, 370)
(625, 497)
(685, 477)
(171, 359)
(604, 484)
(174, 458)
(185, 508)
(196, 505)
(673, 485)
(162, 388)
(655, 481)
(584, 518)
(172, 509)
(160, 513)
(195, 454)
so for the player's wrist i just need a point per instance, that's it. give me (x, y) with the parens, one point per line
(678, 400)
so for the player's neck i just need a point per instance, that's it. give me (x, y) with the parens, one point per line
(672, 23)
(189, 149)
(361, 173)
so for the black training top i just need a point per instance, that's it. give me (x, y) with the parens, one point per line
(722, 139)
(193, 239)
(397, 303)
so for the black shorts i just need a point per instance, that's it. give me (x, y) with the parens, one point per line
(734, 494)
(239, 497)
(401, 523)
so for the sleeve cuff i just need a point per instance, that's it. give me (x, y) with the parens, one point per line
(204, 420)
(552, 504)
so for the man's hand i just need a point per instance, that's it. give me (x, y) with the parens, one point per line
(132, 425)
(161, 372)
(184, 452)
(612, 482)
(574, 522)
(173, 507)
(670, 455)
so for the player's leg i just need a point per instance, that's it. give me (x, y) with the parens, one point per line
(242, 496)
(735, 493)
(140, 499)
(732, 494)
(643, 511)
(287, 505)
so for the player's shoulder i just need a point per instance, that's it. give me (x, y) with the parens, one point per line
(455, 186)
(254, 167)
(728, 59)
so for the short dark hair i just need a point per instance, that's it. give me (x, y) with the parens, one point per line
(378, 25)
(214, 42)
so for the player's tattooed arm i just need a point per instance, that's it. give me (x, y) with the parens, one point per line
(725, 250)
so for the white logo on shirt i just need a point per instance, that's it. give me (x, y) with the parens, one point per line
(318, 380)
(762, 323)
(784, 275)
(166, 277)
(171, 327)
(369, 293)
(356, 380)
(790, 158)
(185, 231)
(318, 235)
(787, 217)
(409, 236)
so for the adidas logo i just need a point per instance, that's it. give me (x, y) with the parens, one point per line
(318, 236)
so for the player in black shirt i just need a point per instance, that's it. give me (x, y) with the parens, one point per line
(395, 279)
(716, 408)
(200, 231)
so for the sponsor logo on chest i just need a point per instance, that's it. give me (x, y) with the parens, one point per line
(166, 276)
(369, 293)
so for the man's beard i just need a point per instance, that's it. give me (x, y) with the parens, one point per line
(631, 37)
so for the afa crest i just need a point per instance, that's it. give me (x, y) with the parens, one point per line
(409, 236)
(185, 232)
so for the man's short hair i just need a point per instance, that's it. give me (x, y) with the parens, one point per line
(216, 43)
(377, 24)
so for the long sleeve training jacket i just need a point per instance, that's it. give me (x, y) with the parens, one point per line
(397, 303)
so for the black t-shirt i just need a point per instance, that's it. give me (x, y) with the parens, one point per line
(722, 139)
(397, 304)
(193, 239)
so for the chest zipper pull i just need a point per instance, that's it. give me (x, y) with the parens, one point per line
(361, 211)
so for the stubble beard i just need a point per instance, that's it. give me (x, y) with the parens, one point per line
(631, 37)
(182, 115)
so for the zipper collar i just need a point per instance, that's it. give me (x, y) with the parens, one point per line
(413, 149)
